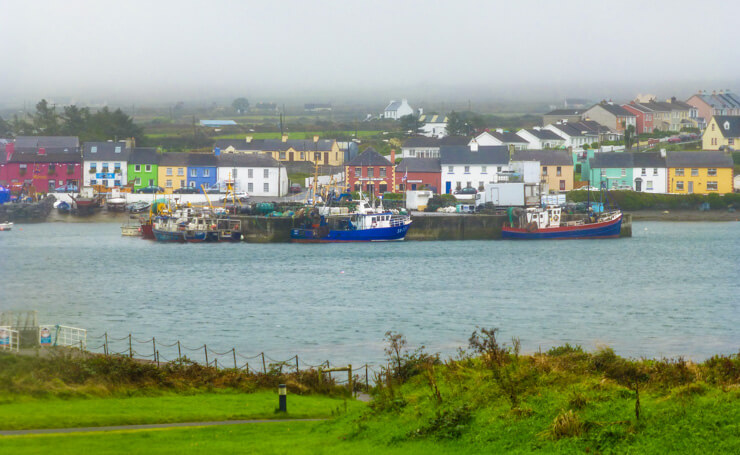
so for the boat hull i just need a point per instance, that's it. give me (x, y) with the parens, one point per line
(147, 231)
(168, 236)
(385, 234)
(604, 230)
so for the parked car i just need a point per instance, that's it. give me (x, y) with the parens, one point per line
(68, 188)
(186, 190)
(467, 193)
(151, 189)
(295, 188)
(240, 196)
(674, 139)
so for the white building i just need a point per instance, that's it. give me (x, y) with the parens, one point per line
(473, 166)
(258, 175)
(105, 163)
(574, 134)
(434, 125)
(501, 137)
(650, 173)
(397, 109)
(541, 139)
(428, 147)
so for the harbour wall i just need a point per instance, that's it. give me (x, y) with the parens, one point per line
(260, 229)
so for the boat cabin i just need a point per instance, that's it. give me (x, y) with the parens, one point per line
(544, 218)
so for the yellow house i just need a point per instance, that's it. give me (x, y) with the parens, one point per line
(699, 172)
(722, 133)
(323, 151)
(556, 168)
(172, 173)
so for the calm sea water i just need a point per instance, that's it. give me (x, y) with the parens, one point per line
(672, 289)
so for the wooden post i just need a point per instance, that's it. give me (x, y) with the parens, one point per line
(205, 349)
(296, 364)
(154, 348)
(157, 356)
(247, 367)
(349, 380)
(264, 365)
(321, 376)
(130, 349)
(105, 344)
(367, 383)
(233, 351)
(81, 346)
(215, 362)
(179, 354)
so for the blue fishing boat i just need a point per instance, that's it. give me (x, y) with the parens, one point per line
(367, 225)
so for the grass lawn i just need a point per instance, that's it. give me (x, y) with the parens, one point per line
(61, 413)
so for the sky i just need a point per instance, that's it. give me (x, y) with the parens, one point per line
(324, 50)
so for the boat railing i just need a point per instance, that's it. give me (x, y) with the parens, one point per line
(396, 222)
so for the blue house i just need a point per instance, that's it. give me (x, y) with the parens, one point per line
(202, 170)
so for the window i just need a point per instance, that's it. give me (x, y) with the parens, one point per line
(468, 184)
(118, 149)
(169, 171)
(234, 172)
(117, 167)
(712, 186)
(137, 168)
(137, 181)
(498, 169)
(694, 172)
(282, 155)
(94, 148)
(712, 126)
(679, 172)
(624, 172)
(250, 187)
(52, 168)
(714, 141)
(192, 184)
(148, 168)
(266, 174)
(180, 171)
(151, 182)
(104, 182)
(183, 183)
(70, 169)
(169, 184)
(655, 171)
(467, 169)
(250, 173)
(679, 185)
(483, 169)
(358, 172)
(105, 167)
(193, 172)
(480, 186)
(562, 185)
(731, 141)
(93, 166)
(206, 172)
(317, 156)
(93, 182)
(643, 171)
(116, 183)
(603, 172)
(382, 172)
(370, 173)
(458, 186)
(449, 170)
(544, 170)
(303, 155)
(649, 185)
(267, 187)
(559, 171)
(712, 172)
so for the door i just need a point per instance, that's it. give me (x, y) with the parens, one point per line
(326, 158)
(448, 187)
(290, 156)
(691, 187)
(52, 185)
(638, 185)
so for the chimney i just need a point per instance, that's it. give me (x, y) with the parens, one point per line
(42, 151)
(393, 157)
(537, 128)
(500, 130)
(285, 138)
(316, 138)
(249, 139)
(421, 111)
(9, 150)
(662, 153)
(474, 146)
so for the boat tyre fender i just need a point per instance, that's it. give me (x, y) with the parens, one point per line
(532, 226)
(555, 218)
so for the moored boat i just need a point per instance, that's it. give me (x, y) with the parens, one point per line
(137, 207)
(6, 226)
(130, 228)
(546, 223)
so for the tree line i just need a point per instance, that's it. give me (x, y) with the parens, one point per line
(101, 125)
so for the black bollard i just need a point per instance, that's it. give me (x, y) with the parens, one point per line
(283, 398)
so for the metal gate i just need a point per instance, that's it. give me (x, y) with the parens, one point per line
(9, 339)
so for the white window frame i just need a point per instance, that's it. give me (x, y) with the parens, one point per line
(137, 167)
(267, 187)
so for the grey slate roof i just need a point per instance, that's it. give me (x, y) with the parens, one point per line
(174, 159)
(722, 101)
(105, 151)
(48, 157)
(489, 154)
(614, 109)
(370, 157)
(576, 129)
(611, 160)
(732, 121)
(393, 106)
(246, 160)
(509, 137)
(423, 141)
(277, 145)
(22, 142)
(648, 159)
(544, 134)
(545, 157)
(419, 165)
(144, 155)
(566, 112)
(698, 159)
(202, 159)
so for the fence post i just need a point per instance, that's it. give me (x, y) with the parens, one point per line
(367, 383)
(296, 364)
(205, 349)
(247, 367)
(130, 349)
(179, 354)
(156, 354)
(105, 344)
(154, 349)
(233, 351)
(215, 362)
(349, 380)
(81, 346)
(264, 365)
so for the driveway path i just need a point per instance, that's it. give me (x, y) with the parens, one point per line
(148, 427)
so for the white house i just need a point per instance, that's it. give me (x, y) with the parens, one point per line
(650, 173)
(434, 125)
(428, 147)
(484, 139)
(501, 137)
(471, 167)
(258, 175)
(575, 135)
(397, 109)
(105, 163)
(541, 139)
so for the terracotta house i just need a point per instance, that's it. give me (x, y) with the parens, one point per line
(372, 173)
(418, 173)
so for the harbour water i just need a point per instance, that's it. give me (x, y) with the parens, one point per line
(672, 289)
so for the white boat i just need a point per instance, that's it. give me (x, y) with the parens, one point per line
(6, 226)
(131, 228)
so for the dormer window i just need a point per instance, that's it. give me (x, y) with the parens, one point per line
(726, 126)
(118, 149)
(94, 149)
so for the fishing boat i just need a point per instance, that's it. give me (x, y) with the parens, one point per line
(87, 200)
(546, 223)
(194, 226)
(169, 228)
(365, 225)
(131, 228)
(6, 226)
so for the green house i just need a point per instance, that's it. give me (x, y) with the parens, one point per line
(143, 165)
(611, 170)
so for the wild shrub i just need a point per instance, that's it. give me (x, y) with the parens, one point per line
(577, 400)
(447, 424)
(557, 351)
(722, 370)
(671, 372)
(403, 363)
(627, 373)
(567, 424)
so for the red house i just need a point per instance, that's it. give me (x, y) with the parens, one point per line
(644, 117)
(417, 173)
(44, 171)
(371, 172)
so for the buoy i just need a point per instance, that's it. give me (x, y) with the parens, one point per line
(342, 271)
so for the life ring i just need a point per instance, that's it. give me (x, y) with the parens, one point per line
(555, 218)
(532, 226)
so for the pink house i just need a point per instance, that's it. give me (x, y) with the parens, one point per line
(45, 171)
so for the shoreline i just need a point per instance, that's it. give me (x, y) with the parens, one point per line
(684, 215)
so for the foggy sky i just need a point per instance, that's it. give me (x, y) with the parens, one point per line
(323, 50)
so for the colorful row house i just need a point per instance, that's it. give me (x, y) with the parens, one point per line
(372, 173)
(722, 133)
(319, 151)
(42, 162)
(699, 172)
(143, 167)
(105, 164)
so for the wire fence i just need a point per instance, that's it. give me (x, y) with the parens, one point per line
(159, 352)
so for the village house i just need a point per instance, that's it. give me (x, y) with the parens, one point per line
(43, 170)
(418, 173)
(559, 115)
(433, 125)
(612, 116)
(707, 106)
(258, 175)
(699, 172)
(397, 109)
(105, 163)
(50, 144)
(722, 133)
(556, 168)
(372, 173)
(611, 170)
(643, 116)
(540, 138)
(202, 170)
(143, 167)
(672, 115)
(471, 167)
(650, 173)
(321, 151)
(172, 172)
(507, 138)
(428, 147)
(576, 135)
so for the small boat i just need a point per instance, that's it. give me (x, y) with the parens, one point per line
(6, 226)
(546, 223)
(62, 206)
(117, 204)
(131, 229)
(366, 225)
(138, 207)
